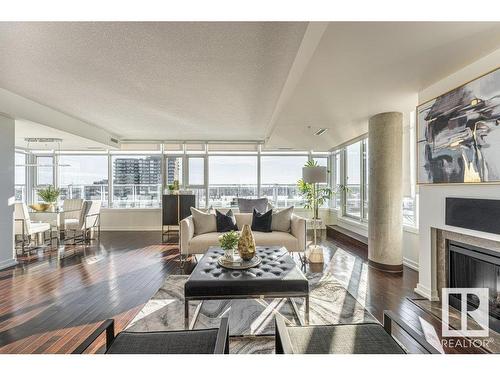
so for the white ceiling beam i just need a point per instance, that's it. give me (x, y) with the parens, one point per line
(19, 107)
(310, 41)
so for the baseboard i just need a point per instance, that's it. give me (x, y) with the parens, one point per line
(132, 229)
(426, 292)
(410, 263)
(7, 263)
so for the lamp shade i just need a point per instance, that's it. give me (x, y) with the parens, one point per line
(314, 175)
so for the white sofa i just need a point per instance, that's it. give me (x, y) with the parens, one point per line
(295, 241)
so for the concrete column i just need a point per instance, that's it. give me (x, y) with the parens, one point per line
(7, 160)
(385, 228)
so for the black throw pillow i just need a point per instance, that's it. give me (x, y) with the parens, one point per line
(262, 222)
(225, 223)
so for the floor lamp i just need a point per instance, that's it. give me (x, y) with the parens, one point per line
(314, 176)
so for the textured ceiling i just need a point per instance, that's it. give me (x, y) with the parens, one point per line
(235, 81)
(154, 80)
(363, 68)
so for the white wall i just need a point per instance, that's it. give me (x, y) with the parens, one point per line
(133, 219)
(410, 238)
(432, 197)
(7, 163)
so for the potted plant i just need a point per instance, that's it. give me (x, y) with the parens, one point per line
(173, 188)
(228, 242)
(49, 196)
(315, 196)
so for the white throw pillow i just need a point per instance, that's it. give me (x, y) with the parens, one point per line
(203, 222)
(281, 220)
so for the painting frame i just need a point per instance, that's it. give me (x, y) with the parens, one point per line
(418, 137)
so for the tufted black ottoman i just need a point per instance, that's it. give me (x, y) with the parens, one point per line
(277, 276)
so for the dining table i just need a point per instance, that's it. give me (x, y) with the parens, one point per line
(54, 217)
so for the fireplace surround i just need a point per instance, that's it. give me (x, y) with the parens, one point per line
(475, 267)
(442, 238)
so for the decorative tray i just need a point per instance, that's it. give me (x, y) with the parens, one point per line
(238, 264)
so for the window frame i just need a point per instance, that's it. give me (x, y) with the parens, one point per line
(105, 202)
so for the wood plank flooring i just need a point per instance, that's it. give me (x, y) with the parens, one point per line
(50, 305)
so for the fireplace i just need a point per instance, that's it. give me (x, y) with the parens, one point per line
(475, 267)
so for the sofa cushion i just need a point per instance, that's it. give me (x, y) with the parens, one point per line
(203, 222)
(200, 244)
(281, 220)
(262, 222)
(248, 205)
(276, 239)
(242, 219)
(225, 222)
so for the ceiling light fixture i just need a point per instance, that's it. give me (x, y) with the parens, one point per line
(43, 140)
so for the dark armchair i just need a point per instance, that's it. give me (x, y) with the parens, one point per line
(203, 341)
(362, 338)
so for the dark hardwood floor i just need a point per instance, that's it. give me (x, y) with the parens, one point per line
(51, 304)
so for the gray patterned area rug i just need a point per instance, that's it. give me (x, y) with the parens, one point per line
(251, 322)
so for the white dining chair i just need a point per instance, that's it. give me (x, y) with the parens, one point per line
(25, 229)
(72, 208)
(88, 219)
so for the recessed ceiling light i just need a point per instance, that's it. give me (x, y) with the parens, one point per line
(321, 131)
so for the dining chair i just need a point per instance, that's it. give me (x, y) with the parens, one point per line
(72, 208)
(25, 229)
(89, 219)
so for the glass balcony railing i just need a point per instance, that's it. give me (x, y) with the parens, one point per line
(220, 196)
(281, 195)
(87, 192)
(353, 200)
(136, 196)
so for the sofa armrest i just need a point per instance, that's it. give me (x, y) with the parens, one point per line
(298, 230)
(186, 232)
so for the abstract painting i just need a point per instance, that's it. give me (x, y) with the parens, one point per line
(458, 134)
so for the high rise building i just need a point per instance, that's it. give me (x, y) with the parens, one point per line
(173, 169)
(137, 171)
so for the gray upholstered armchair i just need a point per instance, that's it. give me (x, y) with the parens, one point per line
(202, 341)
(358, 338)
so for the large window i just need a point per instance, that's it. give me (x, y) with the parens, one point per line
(44, 170)
(322, 161)
(136, 180)
(337, 199)
(173, 165)
(196, 179)
(84, 176)
(230, 178)
(130, 179)
(353, 180)
(365, 166)
(279, 176)
(20, 177)
(196, 167)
